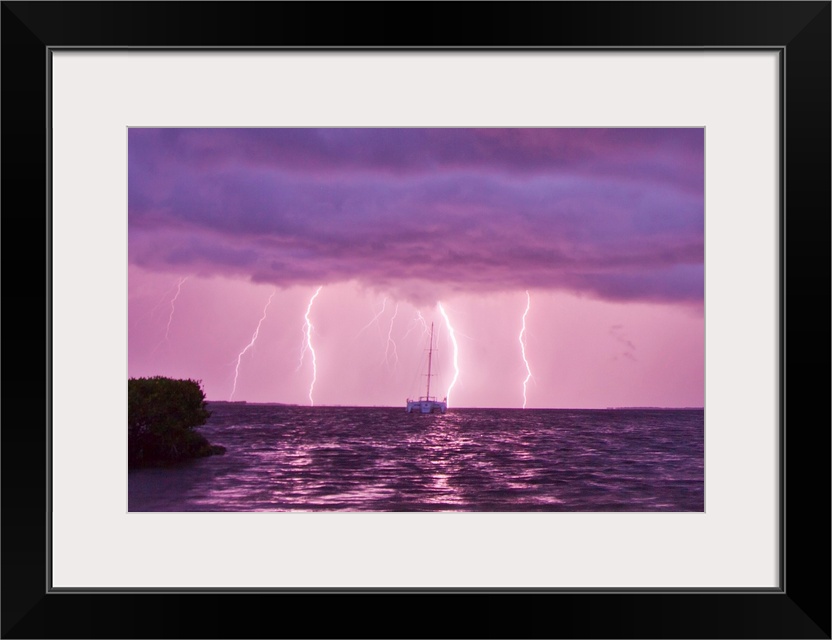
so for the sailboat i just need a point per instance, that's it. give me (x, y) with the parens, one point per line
(426, 403)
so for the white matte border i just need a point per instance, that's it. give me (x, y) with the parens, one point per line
(97, 95)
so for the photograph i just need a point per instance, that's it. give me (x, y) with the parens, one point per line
(416, 319)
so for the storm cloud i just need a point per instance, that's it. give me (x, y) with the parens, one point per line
(616, 214)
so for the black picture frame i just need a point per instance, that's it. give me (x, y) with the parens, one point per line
(798, 608)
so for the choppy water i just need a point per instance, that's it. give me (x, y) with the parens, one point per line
(382, 459)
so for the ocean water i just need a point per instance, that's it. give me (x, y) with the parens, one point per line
(286, 458)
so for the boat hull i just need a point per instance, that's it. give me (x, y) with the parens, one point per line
(426, 406)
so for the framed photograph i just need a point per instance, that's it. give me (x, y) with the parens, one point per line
(632, 212)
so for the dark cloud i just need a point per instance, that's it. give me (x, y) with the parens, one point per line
(613, 213)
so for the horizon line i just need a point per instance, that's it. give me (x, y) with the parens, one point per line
(382, 406)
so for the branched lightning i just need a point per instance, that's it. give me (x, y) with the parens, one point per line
(418, 319)
(250, 345)
(173, 303)
(523, 347)
(456, 352)
(165, 297)
(375, 319)
(391, 341)
(172, 311)
(307, 344)
(424, 322)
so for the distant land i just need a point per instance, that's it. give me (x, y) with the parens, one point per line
(275, 404)
(655, 408)
(285, 404)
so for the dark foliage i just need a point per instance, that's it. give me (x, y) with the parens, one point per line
(161, 416)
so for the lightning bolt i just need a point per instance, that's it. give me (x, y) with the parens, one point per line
(173, 304)
(415, 322)
(164, 298)
(390, 339)
(423, 321)
(456, 352)
(307, 344)
(522, 339)
(375, 319)
(250, 345)
(172, 311)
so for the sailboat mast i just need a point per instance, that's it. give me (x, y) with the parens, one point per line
(430, 354)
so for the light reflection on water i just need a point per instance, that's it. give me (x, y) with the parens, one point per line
(369, 459)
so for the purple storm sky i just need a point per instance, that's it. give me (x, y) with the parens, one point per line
(233, 231)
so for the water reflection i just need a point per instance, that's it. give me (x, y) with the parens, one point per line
(354, 459)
